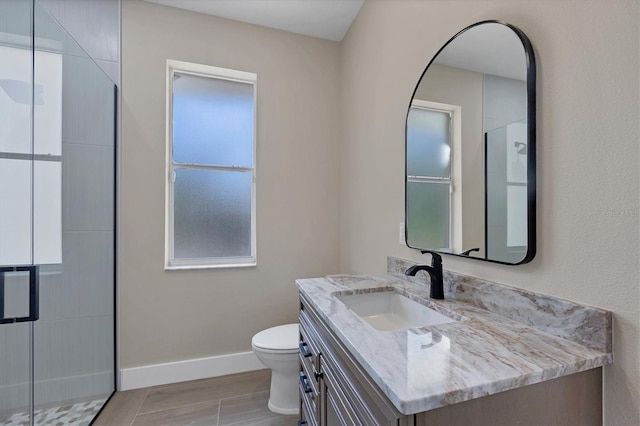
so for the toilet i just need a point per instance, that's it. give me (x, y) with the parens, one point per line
(277, 348)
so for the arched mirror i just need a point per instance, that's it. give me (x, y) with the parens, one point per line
(470, 187)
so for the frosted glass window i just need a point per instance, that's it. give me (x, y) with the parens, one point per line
(212, 121)
(428, 149)
(212, 214)
(428, 214)
(211, 166)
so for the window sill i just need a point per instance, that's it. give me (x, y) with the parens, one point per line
(180, 267)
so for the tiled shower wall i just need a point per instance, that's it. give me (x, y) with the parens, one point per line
(74, 341)
(77, 301)
(95, 26)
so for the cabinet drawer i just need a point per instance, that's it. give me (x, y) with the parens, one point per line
(309, 350)
(311, 375)
(309, 355)
(308, 410)
(307, 398)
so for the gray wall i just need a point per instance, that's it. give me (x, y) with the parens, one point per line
(178, 315)
(505, 101)
(588, 79)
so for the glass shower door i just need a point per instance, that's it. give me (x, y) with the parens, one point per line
(57, 233)
(16, 193)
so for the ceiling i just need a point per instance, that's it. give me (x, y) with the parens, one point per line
(327, 19)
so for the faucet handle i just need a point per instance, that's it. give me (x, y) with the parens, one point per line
(468, 252)
(436, 259)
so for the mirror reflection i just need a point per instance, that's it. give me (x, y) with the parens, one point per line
(470, 148)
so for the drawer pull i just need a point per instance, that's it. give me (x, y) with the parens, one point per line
(304, 351)
(318, 375)
(302, 422)
(305, 386)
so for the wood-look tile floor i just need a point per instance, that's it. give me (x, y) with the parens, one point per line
(238, 399)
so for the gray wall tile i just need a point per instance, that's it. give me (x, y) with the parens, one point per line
(14, 368)
(87, 259)
(83, 285)
(73, 359)
(54, 7)
(112, 69)
(94, 25)
(88, 103)
(87, 188)
(73, 347)
(53, 297)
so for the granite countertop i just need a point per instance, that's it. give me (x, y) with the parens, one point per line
(504, 338)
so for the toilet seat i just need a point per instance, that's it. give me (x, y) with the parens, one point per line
(280, 339)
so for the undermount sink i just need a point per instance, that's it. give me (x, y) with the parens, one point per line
(389, 310)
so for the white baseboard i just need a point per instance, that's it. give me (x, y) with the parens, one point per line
(191, 369)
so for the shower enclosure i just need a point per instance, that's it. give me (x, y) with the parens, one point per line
(506, 199)
(57, 223)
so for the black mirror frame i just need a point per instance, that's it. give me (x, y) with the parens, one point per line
(531, 145)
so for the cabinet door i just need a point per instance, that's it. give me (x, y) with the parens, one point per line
(332, 412)
(307, 416)
(336, 409)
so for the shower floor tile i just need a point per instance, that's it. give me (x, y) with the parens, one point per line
(79, 414)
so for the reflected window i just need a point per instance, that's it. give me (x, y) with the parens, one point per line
(429, 182)
(211, 164)
(30, 158)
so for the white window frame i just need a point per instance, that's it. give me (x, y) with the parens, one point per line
(223, 74)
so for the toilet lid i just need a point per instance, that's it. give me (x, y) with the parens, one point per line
(282, 337)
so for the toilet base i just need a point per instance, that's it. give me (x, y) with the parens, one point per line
(285, 411)
(283, 394)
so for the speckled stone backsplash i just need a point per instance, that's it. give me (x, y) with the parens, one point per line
(582, 324)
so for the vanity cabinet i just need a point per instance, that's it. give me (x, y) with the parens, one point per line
(335, 390)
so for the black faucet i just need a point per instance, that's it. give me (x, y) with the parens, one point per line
(435, 272)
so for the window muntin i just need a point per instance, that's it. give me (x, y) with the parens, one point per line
(211, 167)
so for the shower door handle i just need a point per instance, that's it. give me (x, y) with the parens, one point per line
(34, 294)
